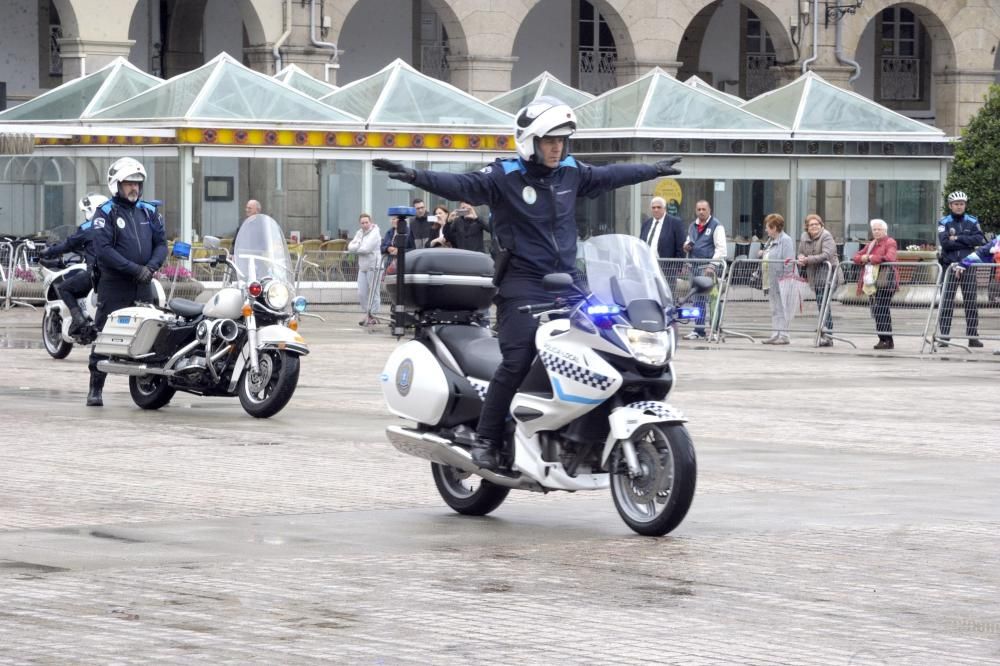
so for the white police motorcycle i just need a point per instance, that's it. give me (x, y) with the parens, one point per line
(590, 414)
(244, 341)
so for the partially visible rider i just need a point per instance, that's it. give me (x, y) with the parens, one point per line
(80, 283)
(130, 247)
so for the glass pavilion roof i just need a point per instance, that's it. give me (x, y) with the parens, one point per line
(658, 102)
(399, 96)
(704, 86)
(296, 77)
(812, 106)
(543, 84)
(85, 96)
(223, 90)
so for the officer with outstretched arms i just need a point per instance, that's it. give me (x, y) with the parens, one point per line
(130, 247)
(80, 283)
(533, 201)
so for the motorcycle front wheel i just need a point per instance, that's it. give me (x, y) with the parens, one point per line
(150, 392)
(466, 493)
(52, 335)
(656, 501)
(265, 393)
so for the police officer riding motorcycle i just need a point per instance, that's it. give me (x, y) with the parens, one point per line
(129, 244)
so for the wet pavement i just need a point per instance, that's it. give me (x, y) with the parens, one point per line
(848, 512)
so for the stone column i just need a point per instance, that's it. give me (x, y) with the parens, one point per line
(481, 75)
(85, 56)
(959, 94)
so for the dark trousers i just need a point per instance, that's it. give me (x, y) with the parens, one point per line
(75, 287)
(112, 296)
(967, 282)
(879, 302)
(516, 335)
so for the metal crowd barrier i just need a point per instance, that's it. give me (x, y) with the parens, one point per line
(23, 276)
(972, 296)
(756, 289)
(678, 274)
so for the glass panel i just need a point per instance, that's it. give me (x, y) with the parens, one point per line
(910, 207)
(169, 100)
(66, 102)
(516, 99)
(779, 106)
(619, 108)
(413, 98)
(830, 109)
(310, 86)
(126, 84)
(359, 97)
(565, 93)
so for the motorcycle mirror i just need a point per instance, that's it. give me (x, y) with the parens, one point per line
(557, 282)
(211, 242)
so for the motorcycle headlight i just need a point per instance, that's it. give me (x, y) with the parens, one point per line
(651, 348)
(276, 295)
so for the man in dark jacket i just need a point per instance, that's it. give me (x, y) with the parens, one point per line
(533, 201)
(420, 226)
(130, 248)
(466, 231)
(959, 234)
(666, 233)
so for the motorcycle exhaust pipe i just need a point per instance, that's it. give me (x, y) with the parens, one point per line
(113, 368)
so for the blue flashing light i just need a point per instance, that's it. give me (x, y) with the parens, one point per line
(181, 249)
(396, 211)
(603, 310)
(299, 304)
(690, 313)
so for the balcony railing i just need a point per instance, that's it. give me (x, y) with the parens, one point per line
(900, 79)
(597, 70)
(759, 78)
(434, 60)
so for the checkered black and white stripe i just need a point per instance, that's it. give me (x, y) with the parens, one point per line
(656, 409)
(564, 368)
(480, 386)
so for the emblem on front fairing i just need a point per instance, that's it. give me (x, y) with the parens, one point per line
(404, 377)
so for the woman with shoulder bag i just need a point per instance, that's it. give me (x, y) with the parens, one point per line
(878, 281)
(816, 248)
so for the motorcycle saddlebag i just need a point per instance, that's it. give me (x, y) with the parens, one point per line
(131, 332)
(447, 279)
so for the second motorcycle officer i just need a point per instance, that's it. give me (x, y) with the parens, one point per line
(129, 242)
(533, 202)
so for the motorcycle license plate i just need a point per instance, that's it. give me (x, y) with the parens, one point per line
(124, 319)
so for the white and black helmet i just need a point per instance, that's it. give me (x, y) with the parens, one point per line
(958, 195)
(91, 202)
(125, 169)
(544, 116)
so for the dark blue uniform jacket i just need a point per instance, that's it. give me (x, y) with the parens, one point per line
(79, 242)
(127, 237)
(958, 237)
(533, 216)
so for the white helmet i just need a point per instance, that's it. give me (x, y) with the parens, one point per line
(125, 169)
(91, 202)
(958, 195)
(544, 116)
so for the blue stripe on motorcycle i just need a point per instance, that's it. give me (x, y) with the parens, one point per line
(566, 397)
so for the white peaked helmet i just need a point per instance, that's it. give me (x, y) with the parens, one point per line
(125, 169)
(958, 196)
(544, 116)
(91, 202)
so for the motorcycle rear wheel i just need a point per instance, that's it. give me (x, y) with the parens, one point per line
(52, 335)
(459, 491)
(263, 394)
(150, 392)
(655, 503)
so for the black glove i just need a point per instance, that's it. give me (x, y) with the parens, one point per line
(145, 275)
(395, 170)
(666, 167)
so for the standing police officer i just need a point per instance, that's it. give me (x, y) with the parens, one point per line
(959, 234)
(130, 248)
(80, 283)
(533, 201)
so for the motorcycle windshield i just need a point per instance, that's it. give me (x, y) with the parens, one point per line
(260, 250)
(621, 269)
(59, 234)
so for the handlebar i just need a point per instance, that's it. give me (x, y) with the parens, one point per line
(542, 307)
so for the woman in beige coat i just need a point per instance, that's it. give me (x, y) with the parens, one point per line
(816, 248)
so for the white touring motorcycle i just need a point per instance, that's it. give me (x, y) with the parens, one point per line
(243, 341)
(591, 412)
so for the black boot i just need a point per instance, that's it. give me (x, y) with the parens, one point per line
(79, 321)
(486, 454)
(95, 397)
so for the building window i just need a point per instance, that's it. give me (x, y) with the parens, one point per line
(900, 68)
(597, 55)
(758, 58)
(434, 49)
